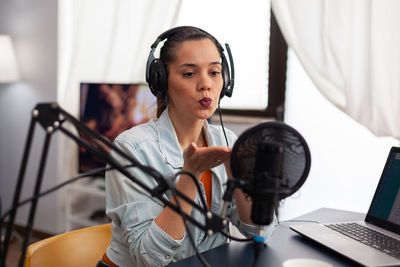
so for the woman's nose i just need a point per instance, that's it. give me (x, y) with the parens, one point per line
(204, 83)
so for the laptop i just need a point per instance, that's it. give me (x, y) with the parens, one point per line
(376, 240)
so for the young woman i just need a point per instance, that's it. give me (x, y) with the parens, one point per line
(144, 232)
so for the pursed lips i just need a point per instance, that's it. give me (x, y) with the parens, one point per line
(205, 102)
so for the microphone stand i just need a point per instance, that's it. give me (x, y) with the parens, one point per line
(52, 117)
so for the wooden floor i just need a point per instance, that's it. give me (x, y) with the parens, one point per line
(15, 248)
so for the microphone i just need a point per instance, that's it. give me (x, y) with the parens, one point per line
(269, 162)
(265, 190)
(266, 182)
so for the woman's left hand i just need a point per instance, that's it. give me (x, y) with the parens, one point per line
(199, 159)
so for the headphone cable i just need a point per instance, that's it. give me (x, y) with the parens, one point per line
(222, 124)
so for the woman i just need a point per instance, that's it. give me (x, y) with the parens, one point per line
(144, 232)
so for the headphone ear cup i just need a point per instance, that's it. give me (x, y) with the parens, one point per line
(226, 78)
(158, 78)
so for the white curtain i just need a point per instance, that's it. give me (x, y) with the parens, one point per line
(350, 49)
(104, 41)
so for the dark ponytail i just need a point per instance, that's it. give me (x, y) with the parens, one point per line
(161, 106)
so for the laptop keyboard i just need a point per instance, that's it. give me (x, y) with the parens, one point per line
(369, 237)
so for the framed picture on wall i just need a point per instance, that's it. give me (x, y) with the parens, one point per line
(110, 109)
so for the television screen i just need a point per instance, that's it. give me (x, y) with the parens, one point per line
(110, 109)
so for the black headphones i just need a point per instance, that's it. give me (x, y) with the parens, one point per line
(156, 74)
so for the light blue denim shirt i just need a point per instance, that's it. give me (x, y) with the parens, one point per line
(136, 238)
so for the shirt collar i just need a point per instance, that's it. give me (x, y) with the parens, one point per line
(169, 145)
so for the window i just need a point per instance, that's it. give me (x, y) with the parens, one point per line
(245, 27)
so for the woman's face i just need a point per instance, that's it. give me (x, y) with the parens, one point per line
(194, 80)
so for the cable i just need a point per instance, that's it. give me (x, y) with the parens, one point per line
(83, 175)
(198, 255)
(205, 205)
(236, 238)
(202, 200)
(222, 124)
(196, 182)
(289, 221)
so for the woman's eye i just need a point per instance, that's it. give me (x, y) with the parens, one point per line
(215, 73)
(188, 74)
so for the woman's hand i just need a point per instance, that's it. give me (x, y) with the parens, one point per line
(228, 170)
(243, 202)
(197, 160)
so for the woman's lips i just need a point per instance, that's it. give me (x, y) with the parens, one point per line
(205, 102)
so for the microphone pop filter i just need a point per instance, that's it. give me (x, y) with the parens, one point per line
(271, 148)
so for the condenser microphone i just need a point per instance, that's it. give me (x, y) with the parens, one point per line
(269, 162)
(266, 182)
(263, 188)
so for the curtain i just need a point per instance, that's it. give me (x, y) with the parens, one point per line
(350, 50)
(104, 41)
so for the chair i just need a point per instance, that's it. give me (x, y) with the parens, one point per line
(83, 247)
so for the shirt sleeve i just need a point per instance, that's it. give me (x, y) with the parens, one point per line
(246, 229)
(133, 211)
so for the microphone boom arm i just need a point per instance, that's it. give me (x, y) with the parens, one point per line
(51, 117)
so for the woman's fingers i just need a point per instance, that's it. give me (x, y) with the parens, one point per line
(189, 150)
(199, 160)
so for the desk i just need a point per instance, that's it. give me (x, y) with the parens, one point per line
(284, 244)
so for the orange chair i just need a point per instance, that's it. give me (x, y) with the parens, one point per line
(83, 247)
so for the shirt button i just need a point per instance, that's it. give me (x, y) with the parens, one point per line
(174, 248)
(167, 257)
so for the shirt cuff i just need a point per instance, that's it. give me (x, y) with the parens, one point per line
(247, 229)
(250, 230)
(159, 245)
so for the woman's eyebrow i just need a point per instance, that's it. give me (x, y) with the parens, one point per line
(188, 65)
(215, 63)
(195, 65)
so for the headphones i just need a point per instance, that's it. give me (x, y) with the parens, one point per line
(156, 73)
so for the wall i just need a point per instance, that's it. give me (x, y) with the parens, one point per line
(33, 27)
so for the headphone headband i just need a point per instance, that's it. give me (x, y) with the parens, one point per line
(156, 74)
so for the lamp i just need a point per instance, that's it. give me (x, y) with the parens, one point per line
(8, 63)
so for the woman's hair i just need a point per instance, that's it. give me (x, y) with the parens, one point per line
(168, 51)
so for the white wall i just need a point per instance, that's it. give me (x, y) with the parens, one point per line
(33, 27)
(347, 159)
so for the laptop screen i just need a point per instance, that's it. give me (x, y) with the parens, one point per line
(385, 207)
